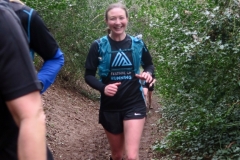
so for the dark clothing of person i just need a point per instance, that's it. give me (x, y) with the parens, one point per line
(113, 121)
(151, 88)
(129, 93)
(128, 102)
(40, 41)
(146, 85)
(18, 78)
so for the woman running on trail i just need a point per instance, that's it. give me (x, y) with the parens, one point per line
(118, 57)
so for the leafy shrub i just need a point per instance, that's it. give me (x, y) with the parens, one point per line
(197, 53)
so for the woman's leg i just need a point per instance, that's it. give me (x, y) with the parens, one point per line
(150, 99)
(145, 92)
(132, 132)
(116, 142)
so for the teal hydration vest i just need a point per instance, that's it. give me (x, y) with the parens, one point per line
(106, 52)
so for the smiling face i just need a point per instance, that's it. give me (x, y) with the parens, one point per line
(117, 20)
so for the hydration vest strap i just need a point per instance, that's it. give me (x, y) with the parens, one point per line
(29, 22)
(105, 54)
(28, 29)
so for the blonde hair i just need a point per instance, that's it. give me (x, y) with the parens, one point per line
(116, 5)
(112, 6)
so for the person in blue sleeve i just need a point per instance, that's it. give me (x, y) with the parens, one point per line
(40, 41)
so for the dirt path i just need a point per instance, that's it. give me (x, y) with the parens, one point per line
(73, 131)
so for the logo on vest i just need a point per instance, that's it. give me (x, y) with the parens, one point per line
(121, 60)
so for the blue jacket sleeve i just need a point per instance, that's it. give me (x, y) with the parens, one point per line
(50, 69)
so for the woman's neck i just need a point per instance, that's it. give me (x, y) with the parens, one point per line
(117, 37)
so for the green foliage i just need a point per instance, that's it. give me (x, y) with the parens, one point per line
(75, 25)
(196, 46)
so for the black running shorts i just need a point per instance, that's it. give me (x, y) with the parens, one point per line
(149, 88)
(113, 121)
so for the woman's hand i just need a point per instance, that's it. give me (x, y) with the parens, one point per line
(111, 89)
(145, 76)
